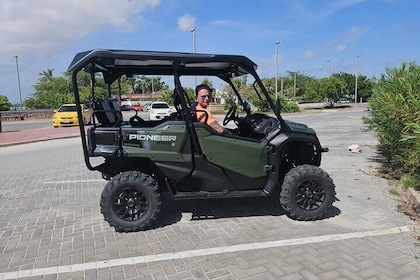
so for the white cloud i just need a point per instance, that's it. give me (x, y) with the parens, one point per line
(36, 30)
(310, 54)
(270, 62)
(225, 22)
(341, 48)
(319, 10)
(186, 22)
(29, 26)
(353, 34)
(356, 32)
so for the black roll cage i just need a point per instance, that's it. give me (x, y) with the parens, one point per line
(113, 64)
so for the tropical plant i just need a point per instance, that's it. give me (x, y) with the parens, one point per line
(394, 115)
(4, 103)
(326, 89)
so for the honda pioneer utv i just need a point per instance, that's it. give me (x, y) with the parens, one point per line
(264, 154)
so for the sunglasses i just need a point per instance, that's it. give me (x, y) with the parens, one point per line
(203, 97)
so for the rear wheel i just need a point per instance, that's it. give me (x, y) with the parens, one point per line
(307, 192)
(130, 201)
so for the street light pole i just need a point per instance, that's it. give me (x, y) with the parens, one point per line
(18, 78)
(357, 74)
(329, 73)
(277, 62)
(192, 30)
(153, 91)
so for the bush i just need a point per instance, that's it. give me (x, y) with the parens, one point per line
(394, 109)
(4, 103)
(289, 107)
(229, 103)
(286, 106)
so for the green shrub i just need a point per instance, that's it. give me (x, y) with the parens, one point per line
(411, 156)
(229, 103)
(394, 109)
(4, 103)
(289, 107)
(286, 106)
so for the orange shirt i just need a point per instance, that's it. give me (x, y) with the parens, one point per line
(201, 116)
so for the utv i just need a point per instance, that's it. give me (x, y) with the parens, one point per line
(265, 155)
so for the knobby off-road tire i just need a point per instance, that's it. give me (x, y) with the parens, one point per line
(130, 201)
(307, 193)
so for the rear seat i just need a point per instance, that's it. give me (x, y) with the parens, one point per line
(107, 112)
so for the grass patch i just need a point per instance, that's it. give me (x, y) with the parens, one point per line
(394, 192)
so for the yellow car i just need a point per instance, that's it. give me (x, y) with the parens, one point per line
(66, 115)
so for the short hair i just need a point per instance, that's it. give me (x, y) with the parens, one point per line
(200, 87)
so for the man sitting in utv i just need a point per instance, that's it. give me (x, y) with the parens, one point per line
(203, 98)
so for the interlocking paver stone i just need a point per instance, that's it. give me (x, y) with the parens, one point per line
(50, 217)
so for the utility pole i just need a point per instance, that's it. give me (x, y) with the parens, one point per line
(192, 30)
(329, 73)
(357, 74)
(153, 91)
(18, 78)
(277, 62)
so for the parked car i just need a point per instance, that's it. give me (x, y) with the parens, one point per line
(138, 108)
(125, 107)
(159, 110)
(66, 115)
(343, 100)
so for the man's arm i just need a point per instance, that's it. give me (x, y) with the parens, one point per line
(220, 129)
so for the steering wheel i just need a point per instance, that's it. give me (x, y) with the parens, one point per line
(230, 116)
(136, 121)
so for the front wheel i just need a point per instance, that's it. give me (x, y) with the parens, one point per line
(130, 201)
(307, 193)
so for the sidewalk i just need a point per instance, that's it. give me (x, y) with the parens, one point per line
(9, 138)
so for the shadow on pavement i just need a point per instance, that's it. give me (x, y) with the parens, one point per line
(172, 211)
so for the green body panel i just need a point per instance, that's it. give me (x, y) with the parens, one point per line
(298, 127)
(247, 158)
(162, 144)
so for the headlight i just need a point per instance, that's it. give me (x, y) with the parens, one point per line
(55, 117)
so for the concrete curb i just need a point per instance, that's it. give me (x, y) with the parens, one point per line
(37, 140)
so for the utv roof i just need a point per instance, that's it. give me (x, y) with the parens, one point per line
(133, 62)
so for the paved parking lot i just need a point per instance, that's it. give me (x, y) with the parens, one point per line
(51, 226)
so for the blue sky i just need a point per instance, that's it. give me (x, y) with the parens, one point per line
(46, 34)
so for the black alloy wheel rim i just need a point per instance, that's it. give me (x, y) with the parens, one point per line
(130, 204)
(310, 196)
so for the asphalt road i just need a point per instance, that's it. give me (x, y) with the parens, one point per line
(9, 126)
(51, 226)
